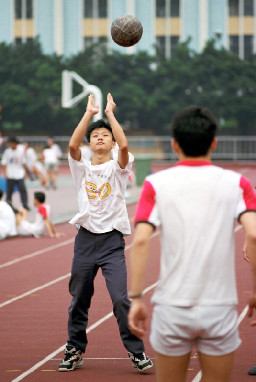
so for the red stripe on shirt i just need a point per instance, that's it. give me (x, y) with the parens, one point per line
(42, 211)
(146, 203)
(248, 194)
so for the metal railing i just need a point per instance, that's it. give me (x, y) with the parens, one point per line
(232, 148)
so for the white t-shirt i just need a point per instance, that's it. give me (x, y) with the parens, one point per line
(57, 151)
(7, 221)
(50, 156)
(101, 189)
(14, 161)
(31, 157)
(195, 204)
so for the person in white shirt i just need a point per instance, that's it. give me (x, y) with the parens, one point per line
(34, 167)
(51, 156)
(7, 219)
(195, 205)
(102, 221)
(14, 165)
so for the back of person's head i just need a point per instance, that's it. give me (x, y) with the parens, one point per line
(39, 196)
(1, 194)
(13, 140)
(194, 129)
(96, 125)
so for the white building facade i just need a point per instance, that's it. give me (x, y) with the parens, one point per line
(66, 27)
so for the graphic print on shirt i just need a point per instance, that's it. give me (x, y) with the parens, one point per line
(92, 191)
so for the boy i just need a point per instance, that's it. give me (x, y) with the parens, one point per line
(42, 221)
(14, 165)
(103, 220)
(195, 203)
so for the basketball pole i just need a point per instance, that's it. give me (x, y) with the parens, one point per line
(67, 99)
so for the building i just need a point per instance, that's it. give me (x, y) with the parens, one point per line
(66, 27)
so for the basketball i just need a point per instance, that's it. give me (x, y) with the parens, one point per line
(126, 30)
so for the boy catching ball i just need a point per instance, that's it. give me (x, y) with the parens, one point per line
(103, 221)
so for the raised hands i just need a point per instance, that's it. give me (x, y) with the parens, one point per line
(91, 105)
(110, 104)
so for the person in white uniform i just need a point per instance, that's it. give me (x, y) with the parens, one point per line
(14, 164)
(7, 219)
(103, 221)
(195, 204)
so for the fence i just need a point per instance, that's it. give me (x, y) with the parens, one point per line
(234, 148)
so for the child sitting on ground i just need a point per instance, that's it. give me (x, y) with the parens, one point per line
(42, 221)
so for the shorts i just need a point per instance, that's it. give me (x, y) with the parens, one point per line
(212, 329)
(25, 228)
(51, 166)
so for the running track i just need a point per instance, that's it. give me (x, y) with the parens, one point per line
(34, 299)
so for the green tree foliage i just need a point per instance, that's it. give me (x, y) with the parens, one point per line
(148, 90)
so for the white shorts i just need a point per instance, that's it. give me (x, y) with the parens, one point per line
(212, 329)
(25, 228)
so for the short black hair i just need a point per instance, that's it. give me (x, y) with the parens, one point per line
(194, 129)
(97, 125)
(40, 196)
(13, 140)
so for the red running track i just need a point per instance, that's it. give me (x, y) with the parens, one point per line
(33, 306)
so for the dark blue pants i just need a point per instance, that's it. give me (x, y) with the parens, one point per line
(10, 185)
(91, 252)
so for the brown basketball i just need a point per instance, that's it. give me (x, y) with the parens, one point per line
(126, 30)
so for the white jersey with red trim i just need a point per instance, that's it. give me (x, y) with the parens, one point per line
(195, 204)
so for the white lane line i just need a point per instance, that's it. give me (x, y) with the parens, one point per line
(36, 253)
(41, 251)
(61, 348)
(31, 291)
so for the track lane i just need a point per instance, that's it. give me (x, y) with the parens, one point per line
(39, 324)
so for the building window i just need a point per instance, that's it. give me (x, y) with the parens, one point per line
(23, 9)
(95, 8)
(234, 44)
(88, 9)
(102, 8)
(88, 42)
(160, 43)
(162, 6)
(233, 7)
(175, 8)
(29, 9)
(18, 41)
(248, 46)
(248, 8)
(174, 43)
(18, 9)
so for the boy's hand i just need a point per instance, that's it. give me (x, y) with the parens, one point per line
(110, 104)
(91, 108)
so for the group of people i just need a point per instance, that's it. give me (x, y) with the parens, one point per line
(15, 222)
(195, 205)
(19, 160)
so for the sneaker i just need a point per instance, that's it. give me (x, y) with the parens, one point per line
(140, 361)
(252, 370)
(73, 359)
